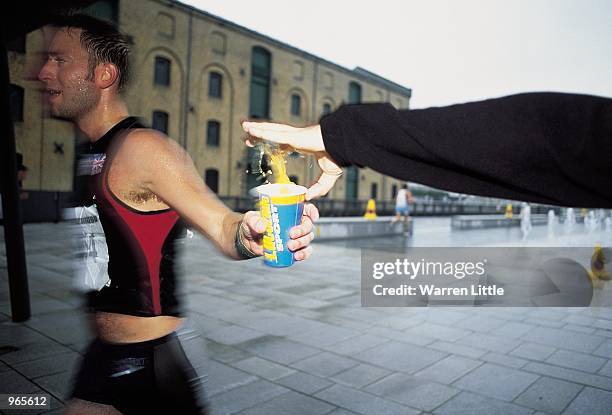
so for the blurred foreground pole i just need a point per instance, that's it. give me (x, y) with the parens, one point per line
(11, 204)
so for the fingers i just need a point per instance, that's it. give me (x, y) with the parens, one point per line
(311, 211)
(254, 222)
(247, 125)
(323, 185)
(277, 133)
(310, 215)
(303, 254)
(303, 229)
(296, 244)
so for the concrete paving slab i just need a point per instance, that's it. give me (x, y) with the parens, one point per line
(263, 368)
(362, 403)
(324, 364)
(591, 401)
(412, 391)
(533, 351)
(496, 381)
(291, 403)
(549, 395)
(469, 403)
(304, 382)
(578, 361)
(360, 375)
(448, 369)
(396, 356)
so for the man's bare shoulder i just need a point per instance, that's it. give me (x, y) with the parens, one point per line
(148, 140)
(146, 154)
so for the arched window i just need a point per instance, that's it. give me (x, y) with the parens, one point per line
(162, 71)
(393, 191)
(160, 121)
(16, 102)
(211, 178)
(259, 103)
(215, 85)
(354, 93)
(296, 103)
(374, 191)
(213, 129)
(326, 108)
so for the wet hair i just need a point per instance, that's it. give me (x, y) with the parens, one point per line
(102, 40)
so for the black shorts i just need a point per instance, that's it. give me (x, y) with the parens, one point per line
(160, 376)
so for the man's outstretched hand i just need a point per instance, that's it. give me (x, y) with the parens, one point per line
(308, 140)
(253, 226)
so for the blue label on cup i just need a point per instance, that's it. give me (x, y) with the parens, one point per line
(281, 214)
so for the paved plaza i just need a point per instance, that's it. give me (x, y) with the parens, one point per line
(297, 341)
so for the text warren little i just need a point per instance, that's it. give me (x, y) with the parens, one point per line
(430, 289)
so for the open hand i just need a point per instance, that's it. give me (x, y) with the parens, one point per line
(308, 140)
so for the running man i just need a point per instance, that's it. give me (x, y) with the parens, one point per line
(145, 358)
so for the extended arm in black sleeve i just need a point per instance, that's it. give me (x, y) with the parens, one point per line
(540, 147)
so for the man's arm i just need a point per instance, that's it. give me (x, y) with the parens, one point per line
(167, 170)
(541, 147)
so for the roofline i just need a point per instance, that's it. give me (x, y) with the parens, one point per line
(357, 72)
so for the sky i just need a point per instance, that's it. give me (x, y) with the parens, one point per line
(447, 51)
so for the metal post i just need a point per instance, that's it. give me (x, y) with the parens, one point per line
(11, 206)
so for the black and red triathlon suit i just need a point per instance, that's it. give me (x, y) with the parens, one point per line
(164, 375)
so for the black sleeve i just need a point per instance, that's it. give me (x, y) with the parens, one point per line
(540, 147)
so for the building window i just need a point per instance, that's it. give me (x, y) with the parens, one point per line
(393, 191)
(160, 121)
(17, 44)
(352, 183)
(162, 71)
(215, 85)
(259, 102)
(165, 24)
(295, 105)
(104, 10)
(328, 80)
(211, 178)
(298, 70)
(374, 191)
(212, 133)
(294, 179)
(16, 102)
(218, 42)
(354, 93)
(326, 108)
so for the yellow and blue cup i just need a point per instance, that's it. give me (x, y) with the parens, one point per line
(282, 206)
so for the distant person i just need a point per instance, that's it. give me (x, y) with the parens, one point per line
(525, 220)
(552, 148)
(403, 200)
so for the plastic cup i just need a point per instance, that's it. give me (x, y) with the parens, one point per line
(282, 206)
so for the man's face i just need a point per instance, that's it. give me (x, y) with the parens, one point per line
(68, 88)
